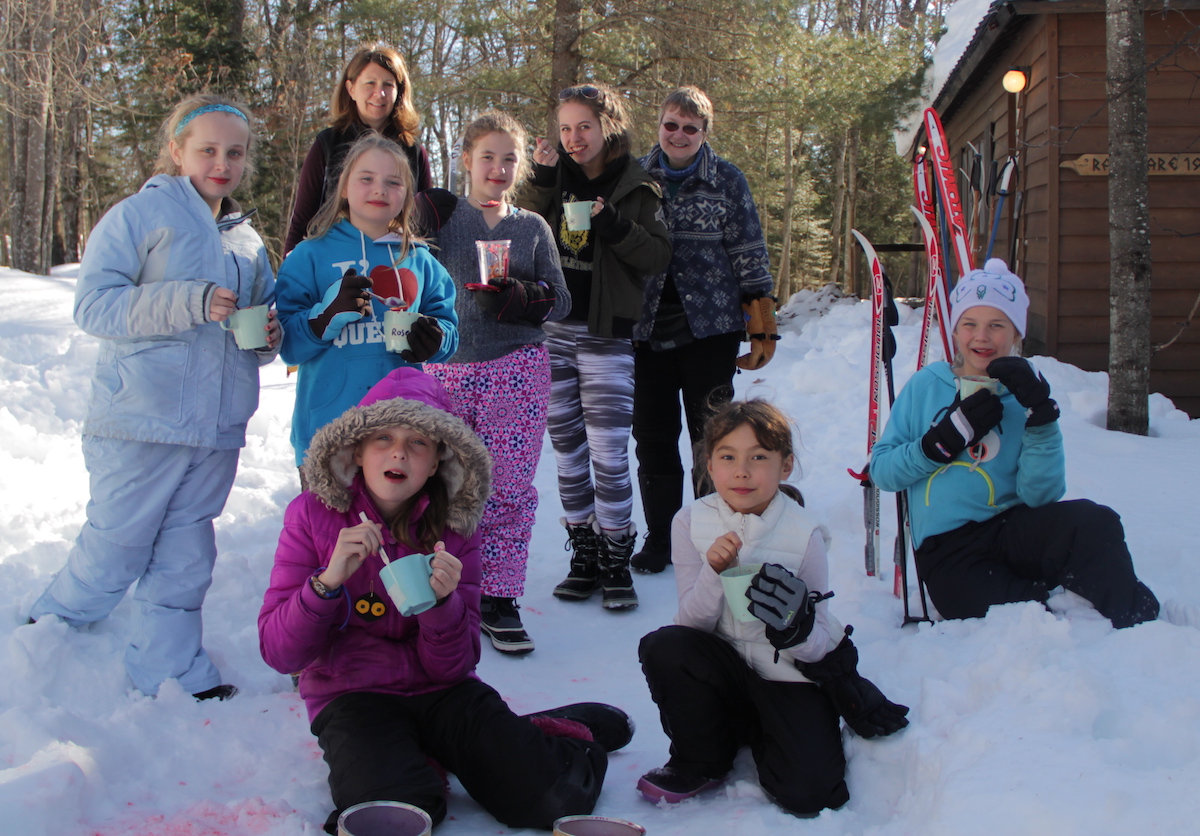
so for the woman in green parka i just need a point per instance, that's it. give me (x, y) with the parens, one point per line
(591, 351)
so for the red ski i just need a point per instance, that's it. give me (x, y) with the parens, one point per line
(870, 492)
(943, 169)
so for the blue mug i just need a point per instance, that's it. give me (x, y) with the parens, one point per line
(406, 580)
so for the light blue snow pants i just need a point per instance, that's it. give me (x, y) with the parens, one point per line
(149, 521)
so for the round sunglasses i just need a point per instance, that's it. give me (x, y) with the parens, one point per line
(689, 130)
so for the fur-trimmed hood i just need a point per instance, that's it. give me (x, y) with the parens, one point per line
(407, 397)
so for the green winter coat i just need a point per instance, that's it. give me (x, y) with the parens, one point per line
(619, 267)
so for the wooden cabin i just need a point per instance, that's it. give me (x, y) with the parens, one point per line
(1057, 129)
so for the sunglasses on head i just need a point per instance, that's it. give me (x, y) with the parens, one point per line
(672, 127)
(585, 90)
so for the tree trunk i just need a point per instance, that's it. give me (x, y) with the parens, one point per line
(783, 282)
(31, 153)
(1128, 220)
(835, 216)
(848, 242)
(566, 59)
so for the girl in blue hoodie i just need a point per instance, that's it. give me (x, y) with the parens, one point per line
(171, 394)
(361, 258)
(985, 473)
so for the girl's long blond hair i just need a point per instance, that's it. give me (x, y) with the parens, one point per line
(336, 207)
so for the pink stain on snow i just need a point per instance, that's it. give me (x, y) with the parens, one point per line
(249, 817)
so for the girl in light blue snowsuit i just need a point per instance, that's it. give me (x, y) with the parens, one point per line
(171, 394)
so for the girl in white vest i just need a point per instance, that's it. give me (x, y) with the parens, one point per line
(779, 681)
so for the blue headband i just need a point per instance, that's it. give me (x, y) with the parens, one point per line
(211, 108)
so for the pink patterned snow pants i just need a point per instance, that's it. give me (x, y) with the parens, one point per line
(504, 401)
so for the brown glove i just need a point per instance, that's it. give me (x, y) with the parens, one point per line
(761, 331)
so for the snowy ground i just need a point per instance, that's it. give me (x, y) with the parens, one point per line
(1022, 722)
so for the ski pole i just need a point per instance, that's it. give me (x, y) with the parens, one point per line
(1002, 188)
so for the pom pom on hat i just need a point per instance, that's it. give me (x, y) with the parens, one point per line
(993, 285)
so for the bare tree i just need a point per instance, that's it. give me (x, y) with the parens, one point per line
(1128, 220)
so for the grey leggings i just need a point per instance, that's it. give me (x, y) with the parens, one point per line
(591, 412)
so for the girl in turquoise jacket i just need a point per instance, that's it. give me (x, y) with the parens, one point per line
(985, 473)
(336, 286)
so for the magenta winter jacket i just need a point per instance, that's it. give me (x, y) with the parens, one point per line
(336, 649)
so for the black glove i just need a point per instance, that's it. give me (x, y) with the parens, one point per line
(342, 304)
(513, 300)
(962, 426)
(782, 601)
(1029, 388)
(863, 706)
(424, 340)
(431, 209)
(611, 225)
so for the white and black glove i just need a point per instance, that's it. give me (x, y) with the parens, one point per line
(782, 601)
(962, 426)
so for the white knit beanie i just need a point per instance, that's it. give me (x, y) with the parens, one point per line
(993, 285)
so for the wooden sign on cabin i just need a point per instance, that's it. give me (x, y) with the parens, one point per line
(1167, 164)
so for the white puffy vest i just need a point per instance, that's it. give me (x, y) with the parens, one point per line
(780, 535)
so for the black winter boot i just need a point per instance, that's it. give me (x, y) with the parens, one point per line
(584, 577)
(662, 496)
(615, 582)
(500, 620)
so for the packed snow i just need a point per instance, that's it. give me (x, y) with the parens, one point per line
(1026, 721)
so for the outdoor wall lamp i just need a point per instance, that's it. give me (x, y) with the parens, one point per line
(1015, 79)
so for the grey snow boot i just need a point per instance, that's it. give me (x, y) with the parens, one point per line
(615, 582)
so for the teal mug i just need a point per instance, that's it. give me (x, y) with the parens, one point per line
(406, 580)
(249, 326)
(736, 581)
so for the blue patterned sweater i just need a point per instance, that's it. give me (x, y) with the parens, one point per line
(719, 255)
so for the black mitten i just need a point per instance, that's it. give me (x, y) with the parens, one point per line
(432, 209)
(610, 224)
(1028, 386)
(962, 426)
(863, 706)
(782, 601)
(341, 305)
(424, 340)
(513, 300)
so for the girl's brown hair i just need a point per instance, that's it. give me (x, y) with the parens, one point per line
(343, 112)
(336, 207)
(609, 107)
(771, 427)
(164, 164)
(497, 122)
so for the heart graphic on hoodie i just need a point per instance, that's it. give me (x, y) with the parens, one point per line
(398, 285)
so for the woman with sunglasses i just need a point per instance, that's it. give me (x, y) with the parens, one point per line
(591, 354)
(373, 94)
(692, 322)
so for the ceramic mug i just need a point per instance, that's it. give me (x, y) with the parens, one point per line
(579, 214)
(249, 326)
(397, 324)
(596, 826)
(384, 818)
(736, 581)
(406, 580)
